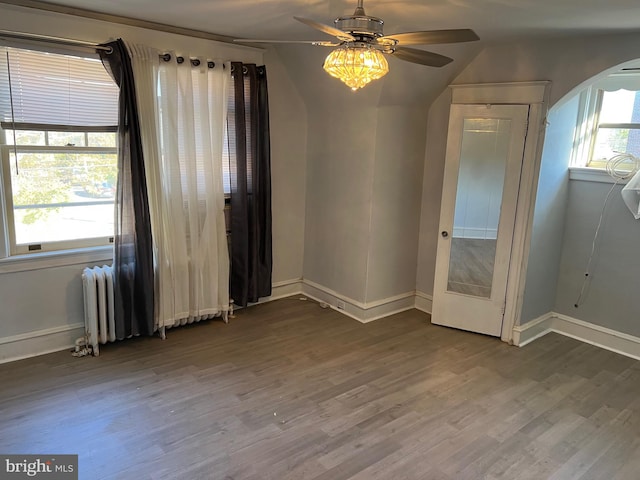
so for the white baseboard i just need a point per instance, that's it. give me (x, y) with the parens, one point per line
(50, 340)
(284, 289)
(363, 312)
(602, 337)
(40, 342)
(279, 290)
(424, 302)
(530, 331)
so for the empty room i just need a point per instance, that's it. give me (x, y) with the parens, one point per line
(319, 240)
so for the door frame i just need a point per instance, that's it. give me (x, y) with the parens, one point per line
(536, 95)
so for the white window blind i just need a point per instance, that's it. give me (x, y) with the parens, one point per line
(52, 89)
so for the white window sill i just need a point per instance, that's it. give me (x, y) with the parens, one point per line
(62, 258)
(593, 175)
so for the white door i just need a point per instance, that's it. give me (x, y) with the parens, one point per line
(485, 148)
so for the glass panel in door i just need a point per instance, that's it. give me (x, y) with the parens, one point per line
(483, 162)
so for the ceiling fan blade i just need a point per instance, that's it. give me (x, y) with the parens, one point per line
(339, 34)
(311, 42)
(422, 57)
(429, 37)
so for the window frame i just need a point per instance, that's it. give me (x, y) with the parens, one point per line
(588, 123)
(53, 254)
(11, 247)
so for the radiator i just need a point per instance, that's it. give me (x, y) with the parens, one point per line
(99, 317)
(97, 285)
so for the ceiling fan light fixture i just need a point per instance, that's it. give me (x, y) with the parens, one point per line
(356, 66)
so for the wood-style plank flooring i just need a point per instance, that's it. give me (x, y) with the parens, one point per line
(289, 390)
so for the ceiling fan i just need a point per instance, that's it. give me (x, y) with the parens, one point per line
(361, 44)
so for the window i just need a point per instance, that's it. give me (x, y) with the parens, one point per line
(61, 187)
(58, 117)
(609, 121)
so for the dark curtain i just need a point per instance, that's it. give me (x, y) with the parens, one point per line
(133, 262)
(250, 172)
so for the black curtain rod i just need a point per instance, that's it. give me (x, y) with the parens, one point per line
(68, 41)
(49, 39)
(194, 61)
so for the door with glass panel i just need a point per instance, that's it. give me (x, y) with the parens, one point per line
(485, 149)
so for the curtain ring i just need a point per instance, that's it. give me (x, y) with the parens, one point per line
(166, 57)
(180, 60)
(211, 64)
(245, 70)
(195, 62)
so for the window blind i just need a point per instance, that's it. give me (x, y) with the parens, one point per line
(229, 169)
(54, 89)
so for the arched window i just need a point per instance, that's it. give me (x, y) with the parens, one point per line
(609, 120)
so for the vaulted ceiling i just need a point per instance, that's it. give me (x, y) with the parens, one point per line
(493, 20)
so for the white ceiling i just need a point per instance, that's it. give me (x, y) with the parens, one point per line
(492, 19)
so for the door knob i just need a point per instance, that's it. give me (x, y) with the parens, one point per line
(445, 234)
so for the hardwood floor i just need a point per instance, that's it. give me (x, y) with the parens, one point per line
(289, 390)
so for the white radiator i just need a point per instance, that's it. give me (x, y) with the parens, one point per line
(97, 284)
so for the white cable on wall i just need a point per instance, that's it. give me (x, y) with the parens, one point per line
(613, 169)
(613, 166)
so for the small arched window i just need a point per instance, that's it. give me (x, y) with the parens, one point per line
(609, 120)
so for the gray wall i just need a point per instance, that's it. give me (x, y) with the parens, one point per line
(340, 156)
(341, 145)
(288, 123)
(612, 298)
(357, 177)
(437, 127)
(51, 298)
(549, 216)
(396, 196)
(40, 299)
(570, 63)
(365, 160)
(566, 62)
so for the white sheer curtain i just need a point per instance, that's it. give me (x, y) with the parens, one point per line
(183, 119)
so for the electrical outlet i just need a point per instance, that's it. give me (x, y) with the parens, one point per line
(340, 305)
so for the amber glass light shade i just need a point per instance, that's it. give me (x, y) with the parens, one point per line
(356, 66)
